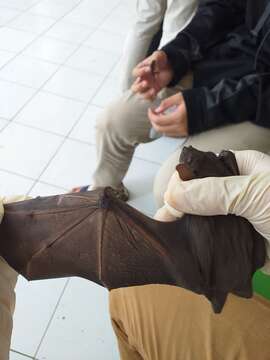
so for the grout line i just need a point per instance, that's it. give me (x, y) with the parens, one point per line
(41, 90)
(22, 354)
(54, 37)
(31, 179)
(37, 36)
(21, 12)
(51, 318)
(50, 132)
(58, 67)
(79, 118)
(3, 25)
(52, 185)
(17, 174)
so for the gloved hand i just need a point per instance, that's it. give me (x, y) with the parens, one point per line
(247, 195)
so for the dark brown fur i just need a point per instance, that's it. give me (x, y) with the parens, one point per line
(95, 236)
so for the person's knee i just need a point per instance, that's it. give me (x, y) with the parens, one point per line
(120, 119)
(112, 119)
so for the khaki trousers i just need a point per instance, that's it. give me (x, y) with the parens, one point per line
(124, 124)
(8, 279)
(158, 322)
(175, 15)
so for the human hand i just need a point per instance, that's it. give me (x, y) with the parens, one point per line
(152, 74)
(247, 195)
(170, 123)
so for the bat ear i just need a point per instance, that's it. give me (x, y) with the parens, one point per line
(185, 173)
(229, 160)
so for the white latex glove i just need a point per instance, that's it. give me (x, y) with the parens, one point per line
(247, 195)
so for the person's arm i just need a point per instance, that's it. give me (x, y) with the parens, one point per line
(198, 109)
(213, 20)
(230, 101)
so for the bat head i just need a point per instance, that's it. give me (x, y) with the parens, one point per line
(195, 164)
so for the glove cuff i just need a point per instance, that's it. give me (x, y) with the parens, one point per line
(173, 211)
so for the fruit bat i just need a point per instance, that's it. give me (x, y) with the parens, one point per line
(95, 236)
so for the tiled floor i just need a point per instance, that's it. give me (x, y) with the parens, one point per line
(59, 66)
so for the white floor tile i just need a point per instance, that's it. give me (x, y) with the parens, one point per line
(32, 23)
(16, 356)
(28, 71)
(50, 112)
(3, 123)
(6, 15)
(18, 4)
(52, 9)
(65, 2)
(106, 40)
(158, 150)
(86, 17)
(26, 151)
(128, 7)
(117, 72)
(11, 184)
(5, 57)
(139, 181)
(13, 98)
(50, 49)
(118, 24)
(109, 91)
(74, 84)
(41, 189)
(14, 40)
(35, 304)
(85, 129)
(125, 9)
(73, 165)
(93, 60)
(66, 31)
(82, 318)
(101, 5)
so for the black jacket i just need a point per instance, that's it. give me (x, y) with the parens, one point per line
(227, 46)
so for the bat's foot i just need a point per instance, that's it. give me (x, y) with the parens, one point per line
(120, 192)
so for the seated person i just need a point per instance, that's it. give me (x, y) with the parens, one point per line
(226, 46)
(155, 20)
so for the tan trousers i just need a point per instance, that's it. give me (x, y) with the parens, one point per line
(8, 279)
(124, 124)
(158, 322)
(175, 15)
